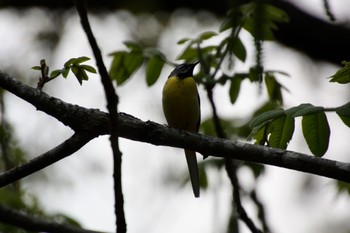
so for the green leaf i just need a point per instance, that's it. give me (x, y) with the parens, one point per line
(343, 186)
(183, 40)
(234, 89)
(153, 52)
(344, 113)
(342, 76)
(55, 73)
(273, 88)
(345, 120)
(117, 70)
(65, 72)
(227, 24)
(88, 68)
(239, 50)
(266, 116)
(133, 46)
(343, 110)
(80, 74)
(188, 54)
(303, 110)
(206, 35)
(69, 62)
(36, 68)
(292, 111)
(79, 60)
(316, 132)
(281, 132)
(133, 61)
(124, 65)
(153, 70)
(75, 61)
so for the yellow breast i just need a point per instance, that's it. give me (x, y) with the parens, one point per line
(181, 104)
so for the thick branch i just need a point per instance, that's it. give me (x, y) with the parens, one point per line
(29, 223)
(318, 39)
(150, 132)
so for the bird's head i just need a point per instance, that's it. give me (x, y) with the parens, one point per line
(184, 70)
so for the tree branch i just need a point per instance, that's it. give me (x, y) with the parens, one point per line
(29, 223)
(230, 165)
(156, 134)
(61, 151)
(317, 38)
(112, 106)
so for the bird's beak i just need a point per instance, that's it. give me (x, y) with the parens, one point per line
(194, 64)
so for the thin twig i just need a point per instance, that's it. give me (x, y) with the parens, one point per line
(231, 169)
(112, 106)
(261, 211)
(229, 163)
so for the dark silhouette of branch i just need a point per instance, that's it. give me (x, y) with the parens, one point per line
(112, 106)
(230, 165)
(29, 223)
(317, 38)
(61, 151)
(157, 134)
(261, 211)
(231, 168)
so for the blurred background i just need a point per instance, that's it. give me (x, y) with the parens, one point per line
(156, 200)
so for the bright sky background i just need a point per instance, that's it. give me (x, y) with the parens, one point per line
(81, 185)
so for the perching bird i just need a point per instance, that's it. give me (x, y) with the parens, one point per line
(181, 107)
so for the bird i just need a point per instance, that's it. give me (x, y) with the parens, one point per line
(181, 107)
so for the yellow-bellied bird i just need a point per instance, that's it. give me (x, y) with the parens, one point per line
(181, 107)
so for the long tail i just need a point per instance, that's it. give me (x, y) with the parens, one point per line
(193, 169)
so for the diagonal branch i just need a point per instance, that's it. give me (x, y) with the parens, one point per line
(95, 122)
(61, 151)
(29, 223)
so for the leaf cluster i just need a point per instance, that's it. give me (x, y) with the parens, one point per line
(276, 127)
(126, 63)
(74, 64)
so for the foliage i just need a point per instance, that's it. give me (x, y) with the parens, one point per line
(74, 64)
(271, 125)
(125, 63)
(342, 76)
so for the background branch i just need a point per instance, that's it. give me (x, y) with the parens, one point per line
(29, 223)
(61, 151)
(231, 168)
(112, 106)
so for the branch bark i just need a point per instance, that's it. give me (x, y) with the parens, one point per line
(156, 134)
